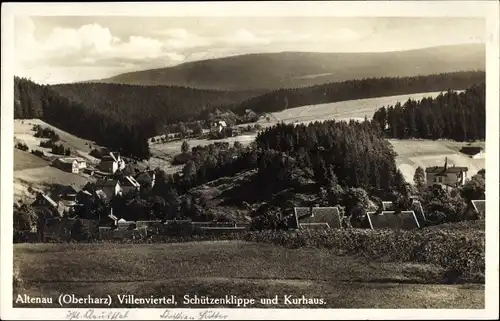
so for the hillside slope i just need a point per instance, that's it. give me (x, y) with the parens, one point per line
(297, 69)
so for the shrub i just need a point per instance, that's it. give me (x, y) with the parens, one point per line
(22, 146)
(38, 153)
(461, 249)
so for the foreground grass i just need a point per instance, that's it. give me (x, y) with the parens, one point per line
(233, 267)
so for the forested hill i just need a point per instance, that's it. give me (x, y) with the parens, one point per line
(452, 115)
(272, 71)
(359, 89)
(164, 104)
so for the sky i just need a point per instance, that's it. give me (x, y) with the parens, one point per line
(61, 49)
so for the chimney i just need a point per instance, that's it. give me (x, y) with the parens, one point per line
(445, 163)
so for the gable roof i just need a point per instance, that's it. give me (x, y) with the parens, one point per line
(388, 206)
(314, 225)
(47, 198)
(144, 177)
(298, 212)
(113, 156)
(479, 206)
(471, 150)
(328, 215)
(443, 170)
(406, 220)
(129, 181)
(61, 191)
(419, 211)
(101, 194)
(416, 206)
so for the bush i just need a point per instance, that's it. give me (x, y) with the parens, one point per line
(462, 250)
(22, 146)
(80, 232)
(38, 153)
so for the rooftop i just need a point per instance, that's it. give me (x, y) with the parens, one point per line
(328, 215)
(443, 170)
(479, 206)
(406, 220)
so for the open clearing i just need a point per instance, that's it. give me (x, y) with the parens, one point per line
(26, 160)
(244, 269)
(31, 170)
(343, 110)
(426, 153)
(42, 177)
(23, 131)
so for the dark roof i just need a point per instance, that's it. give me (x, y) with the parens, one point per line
(388, 206)
(61, 191)
(450, 169)
(471, 150)
(314, 225)
(405, 220)
(419, 211)
(107, 158)
(416, 207)
(479, 206)
(144, 177)
(328, 215)
(46, 197)
(298, 212)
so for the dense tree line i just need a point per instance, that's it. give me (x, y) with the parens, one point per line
(128, 136)
(162, 104)
(452, 115)
(358, 89)
(356, 153)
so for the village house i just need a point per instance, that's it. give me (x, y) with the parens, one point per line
(129, 184)
(65, 196)
(316, 217)
(218, 126)
(251, 116)
(111, 163)
(67, 164)
(70, 164)
(45, 201)
(110, 188)
(453, 176)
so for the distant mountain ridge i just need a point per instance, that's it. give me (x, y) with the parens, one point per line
(271, 71)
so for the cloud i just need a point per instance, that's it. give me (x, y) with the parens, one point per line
(91, 45)
(243, 37)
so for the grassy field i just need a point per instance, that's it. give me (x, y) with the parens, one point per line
(26, 160)
(42, 177)
(31, 170)
(23, 132)
(244, 269)
(344, 110)
(426, 153)
(411, 153)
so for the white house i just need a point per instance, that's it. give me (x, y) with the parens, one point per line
(446, 175)
(111, 163)
(218, 126)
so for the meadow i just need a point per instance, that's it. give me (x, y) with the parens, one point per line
(356, 269)
(411, 152)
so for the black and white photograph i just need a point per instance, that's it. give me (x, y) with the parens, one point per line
(198, 165)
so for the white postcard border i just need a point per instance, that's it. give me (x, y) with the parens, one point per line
(486, 9)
